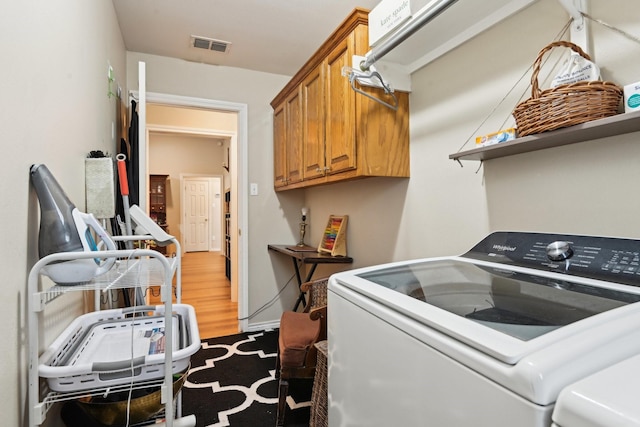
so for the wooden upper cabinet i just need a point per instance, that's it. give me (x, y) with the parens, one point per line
(340, 107)
(279, 150)
(313, 124)
(331, 132)
(287, 130)
(294, 137)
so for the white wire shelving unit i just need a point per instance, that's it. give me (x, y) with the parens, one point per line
(133, 269)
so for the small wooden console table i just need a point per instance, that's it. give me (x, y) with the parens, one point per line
(307, 255)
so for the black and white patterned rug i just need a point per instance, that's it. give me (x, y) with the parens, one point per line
(232, 383)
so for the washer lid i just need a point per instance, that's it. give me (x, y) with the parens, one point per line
(501, 311)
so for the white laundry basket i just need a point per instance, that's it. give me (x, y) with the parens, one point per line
(110, 347)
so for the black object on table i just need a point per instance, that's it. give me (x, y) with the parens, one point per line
(307, 255)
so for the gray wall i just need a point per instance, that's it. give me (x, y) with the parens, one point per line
(54, 110)
(444, 209)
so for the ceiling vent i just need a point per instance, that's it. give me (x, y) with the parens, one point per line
(220, 46)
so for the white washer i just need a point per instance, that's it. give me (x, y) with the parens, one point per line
(489, 338)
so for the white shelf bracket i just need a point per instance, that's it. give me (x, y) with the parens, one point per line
(579, 26)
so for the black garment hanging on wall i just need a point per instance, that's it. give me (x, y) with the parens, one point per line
(133, 166)
(131, 152)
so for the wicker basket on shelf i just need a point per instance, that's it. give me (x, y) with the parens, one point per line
(565, 105)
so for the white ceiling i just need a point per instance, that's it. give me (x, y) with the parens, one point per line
(279, 36)
(274, 36)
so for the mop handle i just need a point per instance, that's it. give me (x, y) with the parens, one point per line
(124, 189)
(122, 174)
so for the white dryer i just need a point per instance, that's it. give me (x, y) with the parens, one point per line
(608, 398)
(488, 338)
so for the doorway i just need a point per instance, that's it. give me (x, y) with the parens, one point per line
(193, 167)
(235, 165)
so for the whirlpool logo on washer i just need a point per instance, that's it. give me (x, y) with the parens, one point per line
(503, 248)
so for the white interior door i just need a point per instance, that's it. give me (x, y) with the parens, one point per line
(196, 214)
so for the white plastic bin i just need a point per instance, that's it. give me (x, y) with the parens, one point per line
(110, 347)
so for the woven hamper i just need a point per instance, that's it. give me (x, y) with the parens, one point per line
(319, 395)
(565, 105)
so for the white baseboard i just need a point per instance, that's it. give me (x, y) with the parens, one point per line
(253, 327)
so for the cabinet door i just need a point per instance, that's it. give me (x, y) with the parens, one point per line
(294, 137)
(279, 147)
(340, 110)
(313, 129)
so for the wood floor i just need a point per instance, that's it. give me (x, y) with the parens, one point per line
(207, 289)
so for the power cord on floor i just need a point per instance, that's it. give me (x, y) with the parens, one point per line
(268, 303)
(131, 383)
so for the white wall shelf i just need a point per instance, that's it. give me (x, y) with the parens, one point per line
(611, 126)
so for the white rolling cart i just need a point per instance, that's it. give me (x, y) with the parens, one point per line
(134, 268)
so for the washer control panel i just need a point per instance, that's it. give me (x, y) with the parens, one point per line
(604, 258)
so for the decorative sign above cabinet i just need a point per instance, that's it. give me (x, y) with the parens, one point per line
(386, 17)
(436, 27)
